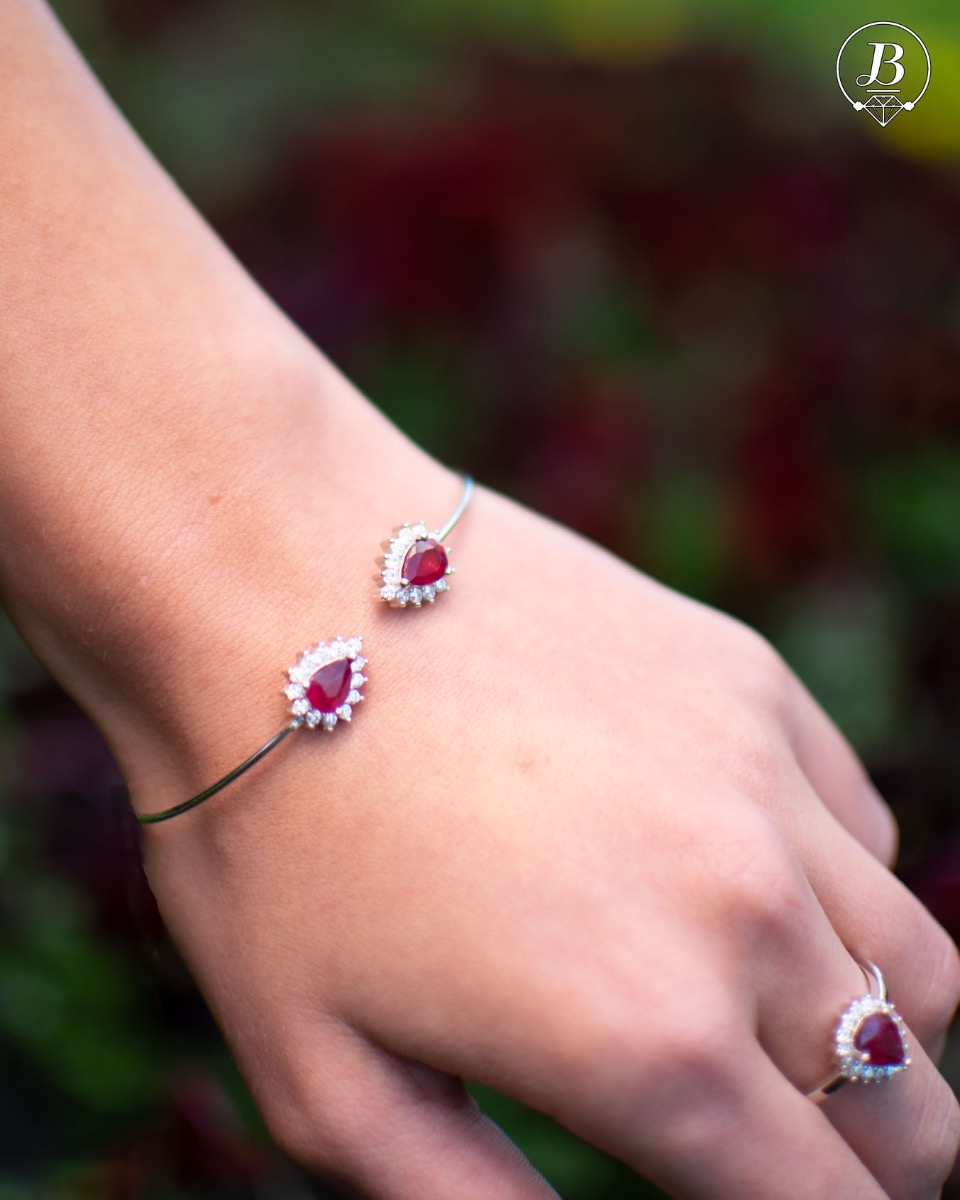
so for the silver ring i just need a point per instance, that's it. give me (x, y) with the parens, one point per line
(869, 1042)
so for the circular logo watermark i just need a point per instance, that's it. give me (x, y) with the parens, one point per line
(883, 69)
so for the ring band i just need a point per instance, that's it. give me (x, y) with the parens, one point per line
(870, 1040)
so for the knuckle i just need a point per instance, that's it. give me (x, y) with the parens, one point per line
(943, 989)
(298, 1132)
(762, 891)
(771, 908)
(950, 977)
(884, 832)
(757, 762)
(308, 1128)
(697, 1078)
(679, 1056)
(697, 1072)
(764, 671)
(693, 1052)
(750, 740)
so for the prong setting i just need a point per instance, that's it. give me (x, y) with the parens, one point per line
(395, 586)
(303, 676)
(854, 1062)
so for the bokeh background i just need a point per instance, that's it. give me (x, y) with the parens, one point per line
(636, 263)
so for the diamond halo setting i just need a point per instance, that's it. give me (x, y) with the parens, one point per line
(871, 1041)
(414, 568)
(325, 683)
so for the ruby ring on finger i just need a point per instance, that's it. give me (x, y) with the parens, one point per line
(870, 1040)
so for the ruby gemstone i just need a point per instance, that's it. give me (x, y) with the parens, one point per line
(425, 563)
(329, 686)
(878, 1036)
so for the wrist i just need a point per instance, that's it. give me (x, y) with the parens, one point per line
(185, 611)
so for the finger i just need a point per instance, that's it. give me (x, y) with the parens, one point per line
(739, 1132)
(384, 1128)
(839, 778)
(877, 918)
(905, 1129)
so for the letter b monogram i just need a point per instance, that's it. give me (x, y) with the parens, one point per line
(880, 61)
(898, 76)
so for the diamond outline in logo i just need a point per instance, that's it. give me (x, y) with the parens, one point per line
(883, 112)
(883, 108)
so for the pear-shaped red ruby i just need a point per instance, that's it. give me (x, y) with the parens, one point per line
(425, 563)
(878, 1037)
(329, 686)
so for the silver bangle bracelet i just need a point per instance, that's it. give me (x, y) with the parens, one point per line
(324, 684)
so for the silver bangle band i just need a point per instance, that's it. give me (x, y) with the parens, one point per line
(324, 685)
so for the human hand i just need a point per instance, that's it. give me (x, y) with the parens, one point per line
(591, 844)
